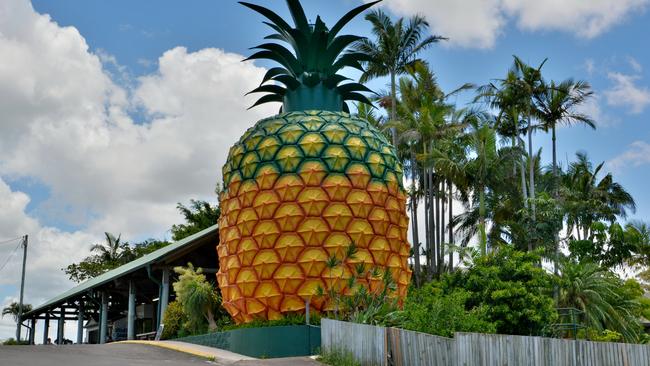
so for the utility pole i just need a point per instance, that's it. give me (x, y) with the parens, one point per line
(22, 291)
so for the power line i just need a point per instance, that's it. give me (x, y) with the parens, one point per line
(10, 256)
(9, 240)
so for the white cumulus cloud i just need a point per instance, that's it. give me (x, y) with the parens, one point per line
(478, 23)
(67, 125)
(626, 93)
(636, 155)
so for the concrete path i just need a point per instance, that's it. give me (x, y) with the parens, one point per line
(194, 349)
(124, 354)
(96, 355)
(221, 356)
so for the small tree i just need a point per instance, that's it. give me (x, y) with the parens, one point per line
(197, 297)
(512, 286)
(13, 309)
(367, 296)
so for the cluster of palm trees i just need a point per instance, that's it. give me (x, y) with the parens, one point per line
(483, 155)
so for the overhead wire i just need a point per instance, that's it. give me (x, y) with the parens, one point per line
(9, 240)
(10, 256)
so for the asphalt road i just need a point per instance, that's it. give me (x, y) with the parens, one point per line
(119, 355)
(96, 355)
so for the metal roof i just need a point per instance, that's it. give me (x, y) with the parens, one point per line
(125, 269)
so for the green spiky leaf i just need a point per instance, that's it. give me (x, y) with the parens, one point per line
(273, 72)
(347, 17)
(311, 62)
(266, 99)
(270, 88)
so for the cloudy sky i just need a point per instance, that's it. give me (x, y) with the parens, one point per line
(112, 112)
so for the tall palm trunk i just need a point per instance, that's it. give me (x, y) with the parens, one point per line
(481, 224)
(393, 106)
(414, 220)
(443, 202)
(427, 229)
(451, 227)
(531, 168)
(438, 242)
(521, 163)
(556, 194)
(432, 226)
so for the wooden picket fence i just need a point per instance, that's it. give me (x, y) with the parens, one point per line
(373, 345)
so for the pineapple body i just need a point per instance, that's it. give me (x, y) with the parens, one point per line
(299, 188)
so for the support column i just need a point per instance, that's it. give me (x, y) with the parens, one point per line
(80, 323)
(130, 334)
(164, 294)
(46, 328)
(61, 326)
(32, 332)
(103, 323)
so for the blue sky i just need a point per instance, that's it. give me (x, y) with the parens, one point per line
(118, 110)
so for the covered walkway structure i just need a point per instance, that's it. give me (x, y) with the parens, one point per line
(128, 300)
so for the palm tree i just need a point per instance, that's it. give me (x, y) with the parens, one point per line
(509, 100)
(426, 121)
(197, 296)
(557, 104)
(396, 47)
(483, 170)
(596, 292)
(529, 82)
(588, 199)
(13, 309)
(111, 250)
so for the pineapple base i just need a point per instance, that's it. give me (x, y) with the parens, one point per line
(299, 188)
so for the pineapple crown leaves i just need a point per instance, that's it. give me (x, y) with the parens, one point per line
(318, 54)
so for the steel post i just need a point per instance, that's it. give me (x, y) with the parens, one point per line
(131, 312)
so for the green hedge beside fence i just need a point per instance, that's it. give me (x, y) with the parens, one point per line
(265, 342)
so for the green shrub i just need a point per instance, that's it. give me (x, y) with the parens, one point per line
(174, 320)
(13, 342)
(429, 310)
(338, 358)
(512, 287)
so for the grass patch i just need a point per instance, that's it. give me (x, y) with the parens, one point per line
(338, 358)
(13, 342)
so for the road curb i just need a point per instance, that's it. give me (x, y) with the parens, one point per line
(173, 347)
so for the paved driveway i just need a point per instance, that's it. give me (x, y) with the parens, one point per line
(116, 355)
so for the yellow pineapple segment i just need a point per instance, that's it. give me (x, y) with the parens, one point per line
(299, 188)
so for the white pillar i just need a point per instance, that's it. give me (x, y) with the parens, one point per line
(46, 327)
(131, 314)
(80, 323)
(103, 323)
(164, 295)
(61, 327)
(32, 331)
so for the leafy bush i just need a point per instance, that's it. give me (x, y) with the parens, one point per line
(174, 320)
(605, 300)
(198, 298)
(356, 300)
(338, 358)
(512, 287)
(13, 342)
(429, 310)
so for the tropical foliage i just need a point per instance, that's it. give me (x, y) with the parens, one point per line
(198, 298)
(109, 255)
(114, 252)
(508, 238)
(13, 310)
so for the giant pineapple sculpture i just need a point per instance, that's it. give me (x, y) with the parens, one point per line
(302, 186)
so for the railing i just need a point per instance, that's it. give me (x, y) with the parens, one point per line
(377, 345)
